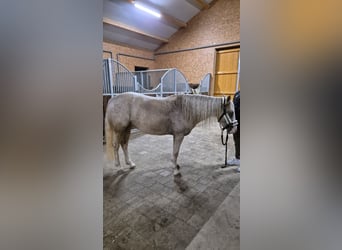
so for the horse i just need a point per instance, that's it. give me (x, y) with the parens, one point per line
(174, 115)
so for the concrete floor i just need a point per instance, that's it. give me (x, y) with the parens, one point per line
(147, 208)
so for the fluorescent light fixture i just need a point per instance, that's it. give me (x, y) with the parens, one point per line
(143, 8)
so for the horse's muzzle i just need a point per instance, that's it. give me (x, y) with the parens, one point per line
(232, 130)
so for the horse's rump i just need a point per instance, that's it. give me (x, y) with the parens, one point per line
(118, 112)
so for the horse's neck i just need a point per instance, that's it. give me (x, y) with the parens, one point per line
(199, 108)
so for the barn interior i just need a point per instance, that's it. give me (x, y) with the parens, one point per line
(146, 208)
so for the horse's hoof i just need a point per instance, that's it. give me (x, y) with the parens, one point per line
(131, 164)
(178, 174)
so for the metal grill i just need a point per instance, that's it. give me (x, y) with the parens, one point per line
(174, 82)
(204, 84)
(149, 81)
(118, 79)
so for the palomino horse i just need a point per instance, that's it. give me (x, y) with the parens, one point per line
(175, 115)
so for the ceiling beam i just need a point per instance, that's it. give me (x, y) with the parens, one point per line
(165, 18)
(170, 20)
(111, 22)
(212, 3)
(203, 4)
(199, 4)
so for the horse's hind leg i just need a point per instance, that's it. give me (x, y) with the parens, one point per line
(116, 145)
(124, 145)
(109, 141)
(177, 141)
(112, 144)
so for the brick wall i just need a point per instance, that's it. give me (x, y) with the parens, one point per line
(219, 24)
(129, 62)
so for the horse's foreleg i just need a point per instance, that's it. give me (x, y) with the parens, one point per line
(177, 141)
(124, 145)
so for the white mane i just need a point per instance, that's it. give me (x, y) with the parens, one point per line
(200, 107)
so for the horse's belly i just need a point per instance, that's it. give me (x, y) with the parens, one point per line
(155, 132)
(153, 128)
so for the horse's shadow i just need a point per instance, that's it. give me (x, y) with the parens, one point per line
(181, 184)
(113, 180)
(216, 170)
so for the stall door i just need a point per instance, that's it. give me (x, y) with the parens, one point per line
(227, 72)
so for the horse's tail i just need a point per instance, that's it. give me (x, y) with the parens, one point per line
(109, 140)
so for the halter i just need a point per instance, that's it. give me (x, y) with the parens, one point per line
(229, 123)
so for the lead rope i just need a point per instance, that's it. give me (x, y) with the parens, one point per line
(225, 143)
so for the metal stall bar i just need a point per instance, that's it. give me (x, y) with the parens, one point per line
(110, 76)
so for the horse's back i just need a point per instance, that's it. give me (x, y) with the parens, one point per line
(122, 107)
(152, 115)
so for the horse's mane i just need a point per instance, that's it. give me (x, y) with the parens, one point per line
(197, 108)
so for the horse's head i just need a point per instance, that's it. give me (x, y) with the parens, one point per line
(227, 118)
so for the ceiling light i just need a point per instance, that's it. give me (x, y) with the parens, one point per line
(143, 8)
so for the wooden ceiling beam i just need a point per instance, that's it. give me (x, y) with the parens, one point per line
(199, 4)
(212, 3)
(170, 20)
(203, 4)
(108, 21)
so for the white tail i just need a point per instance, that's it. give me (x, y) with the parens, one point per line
(109, 141)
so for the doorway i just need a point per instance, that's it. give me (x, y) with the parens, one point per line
(140, 68)
(227, 72)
